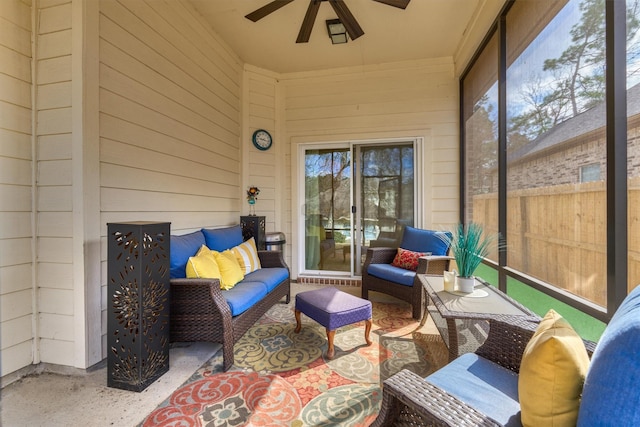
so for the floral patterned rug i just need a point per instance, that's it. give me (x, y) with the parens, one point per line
(281, 378)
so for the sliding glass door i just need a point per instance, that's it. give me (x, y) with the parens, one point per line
(355, 196)
(327, 208)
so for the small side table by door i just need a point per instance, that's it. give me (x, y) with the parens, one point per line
(253, 226)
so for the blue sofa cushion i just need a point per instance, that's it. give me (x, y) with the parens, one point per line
(611, 395)
(271, 277)
(418, 240)
(183, 247)
(221, 239)
(244, 295)
(392, 274)
(487, 387)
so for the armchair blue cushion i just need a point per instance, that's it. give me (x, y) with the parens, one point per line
(392, 274)
(417, 240)
(483, 385)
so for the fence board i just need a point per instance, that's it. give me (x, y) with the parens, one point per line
(559, 234)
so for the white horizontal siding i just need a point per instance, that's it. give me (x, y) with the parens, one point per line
(57, 351)
(56, 275)
(169, 120)
(54, 174)
(56, 327)
(262, 166)
(16, 165)
(15, 304)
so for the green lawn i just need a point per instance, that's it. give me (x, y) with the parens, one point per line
(538, 302)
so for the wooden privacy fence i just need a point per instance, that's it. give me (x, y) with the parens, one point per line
(558, 234)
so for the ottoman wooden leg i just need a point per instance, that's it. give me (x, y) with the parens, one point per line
(330, 350)
(298, 323)
(367, 329)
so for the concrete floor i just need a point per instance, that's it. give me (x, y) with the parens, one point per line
(50, 399)
(83, 399)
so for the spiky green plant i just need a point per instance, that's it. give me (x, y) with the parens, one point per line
(469, 245)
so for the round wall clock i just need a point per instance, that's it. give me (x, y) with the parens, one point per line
(262, 139)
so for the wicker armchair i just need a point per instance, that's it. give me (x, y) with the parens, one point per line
(401, 283)
(199, 311)
(414, 295)
(409, 400)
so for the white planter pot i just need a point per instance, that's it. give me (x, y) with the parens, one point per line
(465, 284)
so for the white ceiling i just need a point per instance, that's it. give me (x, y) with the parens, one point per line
(425, 29)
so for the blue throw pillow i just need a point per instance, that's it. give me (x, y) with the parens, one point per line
(418, 240)
(221, 239)
(183, 247)
(611, 395)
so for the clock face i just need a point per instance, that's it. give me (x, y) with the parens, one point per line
(262, 139)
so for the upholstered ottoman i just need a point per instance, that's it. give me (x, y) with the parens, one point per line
(332, 309)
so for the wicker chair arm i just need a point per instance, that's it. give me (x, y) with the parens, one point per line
(213, 285)
(380, 255)
(433, 264)
(507, 339)
(427, 404)
(271, 259)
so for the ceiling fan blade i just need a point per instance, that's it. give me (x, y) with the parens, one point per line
(258, 14)
(346, 17)
(309, 20)
(402, 4)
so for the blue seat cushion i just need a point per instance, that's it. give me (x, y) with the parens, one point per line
(611, 395)
(221, 239)
(485, 386)
(271, 277)
(244, 295)
(183, 247)
(418, 240)
(392, 274)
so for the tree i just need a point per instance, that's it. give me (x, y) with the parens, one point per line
(577, 80)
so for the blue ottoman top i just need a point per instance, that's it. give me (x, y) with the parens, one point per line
(333, 308)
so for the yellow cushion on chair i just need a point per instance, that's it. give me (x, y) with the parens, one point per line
(552, 373)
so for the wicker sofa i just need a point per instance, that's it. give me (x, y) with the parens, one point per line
(201, 311)
(463, 393)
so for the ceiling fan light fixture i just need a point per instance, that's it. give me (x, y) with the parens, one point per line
(337, 31)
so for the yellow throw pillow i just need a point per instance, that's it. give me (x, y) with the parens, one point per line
(229, 269)
(203, 265)
(552, 374)
(247, 256)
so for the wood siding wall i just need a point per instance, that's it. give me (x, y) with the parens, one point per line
(170, 114)
(54, 211)
(265, 169)
(16, 163)
(409, 99)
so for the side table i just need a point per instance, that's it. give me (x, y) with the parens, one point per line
(254, 226)
(468, 312)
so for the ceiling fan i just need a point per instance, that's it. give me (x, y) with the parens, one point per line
(339, 6)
